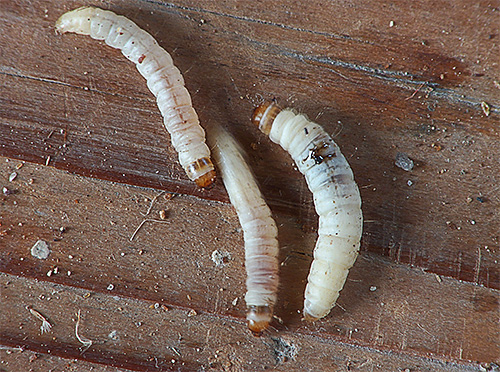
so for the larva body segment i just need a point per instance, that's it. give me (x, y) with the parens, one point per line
(163, 79)
(336, 199)
(259, 228)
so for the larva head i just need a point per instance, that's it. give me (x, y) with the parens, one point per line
(77, 21)
(258, 318)
(206, 180)
(202, 172)
(264, 115)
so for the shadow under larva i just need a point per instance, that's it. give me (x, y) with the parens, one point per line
(164, 80)
(336, 199)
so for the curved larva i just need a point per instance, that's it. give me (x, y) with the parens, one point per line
(336, 199)
(259, 228)
(163, 78)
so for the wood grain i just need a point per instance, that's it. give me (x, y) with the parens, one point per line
(382, 77)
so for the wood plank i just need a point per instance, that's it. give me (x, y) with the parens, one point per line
(385, 306)
(415, 85)
(102, 121)
(170, 339)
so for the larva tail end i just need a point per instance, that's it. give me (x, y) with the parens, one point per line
(309, 318)
(77, 21)
(206, 180)
(202, 172)
(258, 318)
(263, 116)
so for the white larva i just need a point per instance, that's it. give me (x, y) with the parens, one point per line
(259, 228)
(163, 78)
(336, 199)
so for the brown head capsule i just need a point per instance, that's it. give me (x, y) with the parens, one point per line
(258, 318)
(202, 172)
(263, 116)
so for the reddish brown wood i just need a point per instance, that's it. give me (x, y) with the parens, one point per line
(384, 306)
(414, 85)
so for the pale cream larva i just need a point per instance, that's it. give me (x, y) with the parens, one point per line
(163, 79)
(259, 228)
(336, 199)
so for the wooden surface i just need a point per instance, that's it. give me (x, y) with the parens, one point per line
(382, 77)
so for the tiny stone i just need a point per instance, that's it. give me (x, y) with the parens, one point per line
(40, 250)
(486, 108)
(12, 176)
(409, 183)
(373, 288)
(110, 287)
(403, 161)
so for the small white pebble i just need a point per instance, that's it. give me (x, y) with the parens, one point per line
(110, 287)
(391, 24)
(40, 250)
(373, 288)
(12, 176)
(409, 183)
(69, 273)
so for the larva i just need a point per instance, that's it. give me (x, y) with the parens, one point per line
(259, 228)
(336, 199)
(163, 79)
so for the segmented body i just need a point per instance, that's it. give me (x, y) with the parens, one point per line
(259, 228)
(336, 199)
(163, 79)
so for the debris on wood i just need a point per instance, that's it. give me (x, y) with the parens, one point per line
(85, 341)
(486, 108)
(403, 161)
(220, 258)
(46, 326)
(283, 350)
(40, 250)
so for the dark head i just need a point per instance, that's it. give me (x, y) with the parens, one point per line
(258, 318)
(264, 115)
